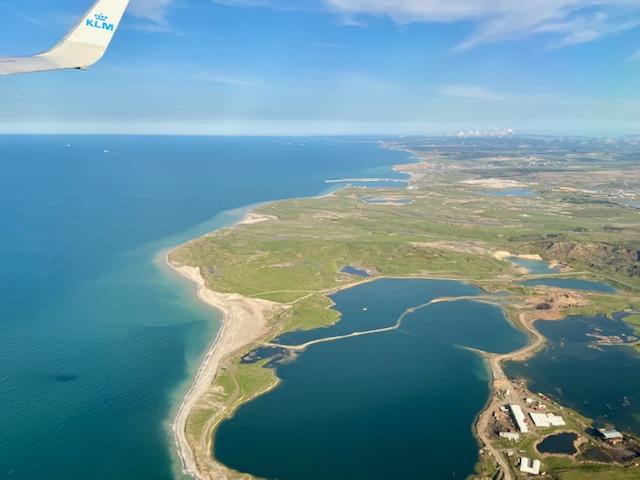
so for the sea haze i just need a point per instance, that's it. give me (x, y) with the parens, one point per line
(98, 340)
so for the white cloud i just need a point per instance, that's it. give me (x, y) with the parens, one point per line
(286, 5)
(153, 12)
(243, 3)
(479, 93)
(567, 22)
(221, 79)
(571, 21)
(473, 92)
(482, 94)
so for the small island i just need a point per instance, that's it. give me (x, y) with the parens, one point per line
(504, 226)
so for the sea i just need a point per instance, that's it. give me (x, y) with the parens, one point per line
(98, 340)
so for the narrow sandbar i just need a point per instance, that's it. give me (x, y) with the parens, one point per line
(244, 321)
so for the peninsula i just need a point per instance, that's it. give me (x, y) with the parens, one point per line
(489, 218)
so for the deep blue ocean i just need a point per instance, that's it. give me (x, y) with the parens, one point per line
(97, 340)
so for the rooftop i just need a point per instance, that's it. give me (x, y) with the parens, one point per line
(545, 420)
(518, 416)
(529, 466)
(610, 434)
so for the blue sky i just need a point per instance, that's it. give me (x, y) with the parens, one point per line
(334, 66)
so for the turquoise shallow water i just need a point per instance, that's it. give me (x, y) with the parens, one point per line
(98, 340)
(399, 404)
(535, 267)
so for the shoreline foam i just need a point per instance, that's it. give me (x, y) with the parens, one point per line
(243, 322)
(219, 349)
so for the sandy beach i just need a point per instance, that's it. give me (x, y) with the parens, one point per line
(495, 183)
(244, 321)
(252, 217)
(504, 254)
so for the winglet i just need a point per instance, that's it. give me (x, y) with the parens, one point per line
(86, 43)
(83, 46)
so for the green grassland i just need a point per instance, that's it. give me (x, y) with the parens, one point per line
(295, 258)
(310, 312)
(447, 234)
(598, 472)
(303, 250)
(608, 305)
(634, 321)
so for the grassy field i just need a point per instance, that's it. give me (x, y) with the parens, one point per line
(303, 250)
(634, 321)
(296, 258)
(595, 472)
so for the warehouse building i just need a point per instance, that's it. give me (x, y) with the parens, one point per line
(546, 420)
(532, 467)
(520, 419)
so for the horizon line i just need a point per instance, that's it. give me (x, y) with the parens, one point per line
(249, 134)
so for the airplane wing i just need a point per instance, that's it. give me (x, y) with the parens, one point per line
(83, 46)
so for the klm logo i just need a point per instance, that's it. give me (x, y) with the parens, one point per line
(100, 22)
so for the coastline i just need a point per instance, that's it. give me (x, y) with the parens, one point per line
(231, 338)
(243, 321)
(178, 426)
(223, 347)
(499, 381)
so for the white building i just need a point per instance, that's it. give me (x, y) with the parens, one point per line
(518, 416)
(532, 467)
(513, 436)
(546, 420)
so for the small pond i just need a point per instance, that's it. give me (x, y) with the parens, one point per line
(534, 267)
(351, 270)
(559, 443)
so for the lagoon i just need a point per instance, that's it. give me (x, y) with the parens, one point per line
(363, 311)
(371, 406)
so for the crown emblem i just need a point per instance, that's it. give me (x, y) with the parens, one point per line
(100, 17)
